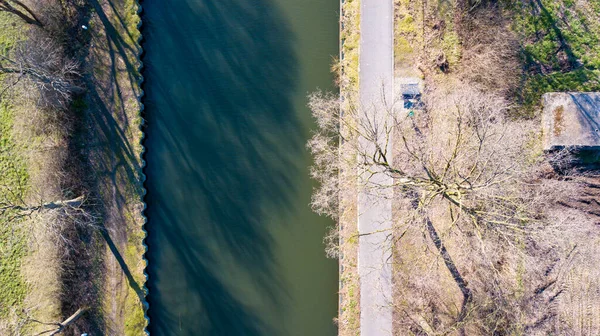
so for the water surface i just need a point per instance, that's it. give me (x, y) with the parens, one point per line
(233, 246)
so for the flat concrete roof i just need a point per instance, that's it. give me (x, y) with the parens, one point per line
(410, 89)
(571, 119)
(410, 86)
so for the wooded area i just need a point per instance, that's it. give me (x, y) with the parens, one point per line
(491, 233)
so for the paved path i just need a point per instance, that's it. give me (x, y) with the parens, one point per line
(375, 210)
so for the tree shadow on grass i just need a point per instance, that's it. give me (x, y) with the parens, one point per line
(107, 161)
(123, 45)
(130, 279)
(551, 26)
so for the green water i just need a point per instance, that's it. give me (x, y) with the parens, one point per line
(233, 246)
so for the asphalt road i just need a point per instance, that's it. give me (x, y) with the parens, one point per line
(375, 209)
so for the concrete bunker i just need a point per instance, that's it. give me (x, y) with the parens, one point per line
(571, 120)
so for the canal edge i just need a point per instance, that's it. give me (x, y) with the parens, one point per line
(139, 98)
(349, 289)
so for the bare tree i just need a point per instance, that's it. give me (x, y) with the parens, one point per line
(326, 145)
(60, 326)
(21, 10)
(460, 169)
(55, 216)
(23, 322)
(41, 63)
(28, 210)
(461, 149)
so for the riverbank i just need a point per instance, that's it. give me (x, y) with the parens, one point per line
(84, 156)
(347, 235)
(113, 119)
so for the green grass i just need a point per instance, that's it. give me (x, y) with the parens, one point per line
(129, 31)
(13, 242)
(132, 19)
(561, 48)
(10, 32)
(13, 185)
(402, 48)
(406, 24)
(350, 308)
(451, 47)
(405, 29)
(576, 80)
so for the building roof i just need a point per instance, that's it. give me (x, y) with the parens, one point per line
(411, 89)
(571, 119)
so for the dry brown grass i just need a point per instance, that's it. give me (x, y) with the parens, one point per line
(568, 248)
(42, 268)
(490, 51)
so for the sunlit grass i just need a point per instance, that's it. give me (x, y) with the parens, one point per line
(13, 241)
(561, 48)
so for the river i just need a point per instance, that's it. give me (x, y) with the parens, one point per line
(234, 248)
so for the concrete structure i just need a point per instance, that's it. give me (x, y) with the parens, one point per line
(410, 89)
(376, 69)
(571, 119)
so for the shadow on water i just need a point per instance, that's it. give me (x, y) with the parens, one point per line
(222, 139)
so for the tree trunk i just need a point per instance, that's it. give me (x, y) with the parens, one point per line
(70, 320)
(72, 203)
(60, 327)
